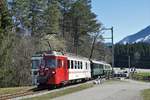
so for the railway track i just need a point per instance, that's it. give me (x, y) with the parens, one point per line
(14, 95)
(20, 94)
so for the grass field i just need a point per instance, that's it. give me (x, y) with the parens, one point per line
(146, 94)
(143, 76)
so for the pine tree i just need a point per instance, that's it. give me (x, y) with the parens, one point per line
(65, 22)
(52, 16)
(5, 28)
(83, 20)
(29, 15)
(6, 43)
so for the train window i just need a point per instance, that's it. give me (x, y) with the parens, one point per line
(75, 64)
(86, 65)
(101, 66)
(106, 67)
(78, 65)
(71, 64)
(81, 65)
(68, 64)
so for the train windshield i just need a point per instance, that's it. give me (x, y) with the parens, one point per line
(35, 64)
(51, 63)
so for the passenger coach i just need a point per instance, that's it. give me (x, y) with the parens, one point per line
(79, 68)
(59, 68)
(100, 68)
(97, 68)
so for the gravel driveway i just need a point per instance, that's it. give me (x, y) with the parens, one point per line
(128, 90)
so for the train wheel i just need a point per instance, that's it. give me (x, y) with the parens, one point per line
(83, 80)
(41, 86)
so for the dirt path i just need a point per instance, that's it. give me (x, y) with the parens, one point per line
(128, 90)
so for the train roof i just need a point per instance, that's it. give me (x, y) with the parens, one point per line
(55, 53)
(100, 62)
(76, 57)
(48, 53)
(37, 56)
(59, 53)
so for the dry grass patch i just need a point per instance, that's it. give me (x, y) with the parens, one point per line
(146, 94)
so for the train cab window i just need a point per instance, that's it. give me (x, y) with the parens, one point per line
(35, 64)
(51, 63)
(71, 64)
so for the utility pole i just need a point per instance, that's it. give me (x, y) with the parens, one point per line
(129, 62)
(112, 38)
(112, 42)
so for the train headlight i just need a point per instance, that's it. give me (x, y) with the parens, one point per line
(53, 72)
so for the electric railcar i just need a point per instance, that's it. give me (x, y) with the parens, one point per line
(56, 68)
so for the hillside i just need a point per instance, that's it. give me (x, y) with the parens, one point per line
(141, 36)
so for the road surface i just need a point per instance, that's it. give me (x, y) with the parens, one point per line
(128, 90)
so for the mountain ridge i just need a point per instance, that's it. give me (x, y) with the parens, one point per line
(141, 36)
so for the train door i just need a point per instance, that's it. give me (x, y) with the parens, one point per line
(63, 69)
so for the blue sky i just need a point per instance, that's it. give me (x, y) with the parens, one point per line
(126, 16)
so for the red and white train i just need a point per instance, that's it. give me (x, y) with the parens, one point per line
(56, 68)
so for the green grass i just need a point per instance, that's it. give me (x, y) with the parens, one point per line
(142, 76)
(146, 94)
(62, 92)
(12, 90)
